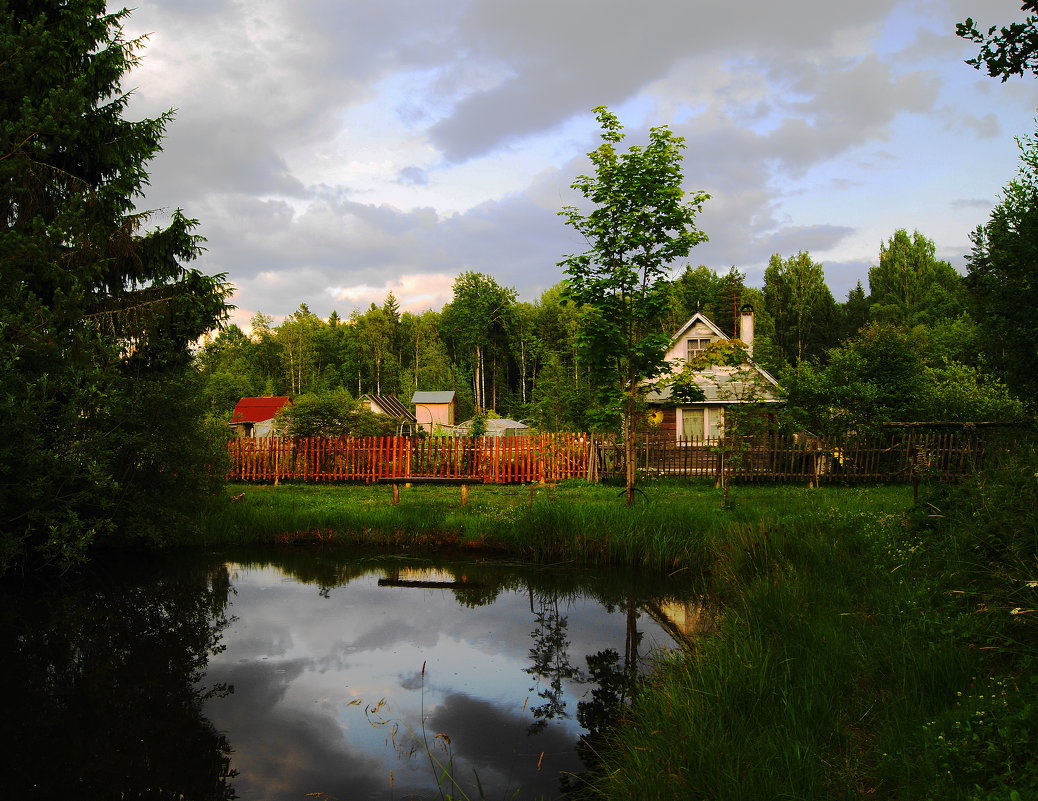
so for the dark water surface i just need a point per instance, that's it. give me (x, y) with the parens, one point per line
(276, 675)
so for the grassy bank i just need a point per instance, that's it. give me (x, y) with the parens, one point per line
(894, 659)
(673, 526)
(866, 647)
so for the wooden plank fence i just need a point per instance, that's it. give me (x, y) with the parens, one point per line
(491, 460)
(902, 455)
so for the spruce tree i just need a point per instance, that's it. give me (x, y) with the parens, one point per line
(100, 436)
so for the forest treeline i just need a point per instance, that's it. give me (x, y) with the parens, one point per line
(912, 345)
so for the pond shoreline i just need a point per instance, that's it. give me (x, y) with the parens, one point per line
(858, 648)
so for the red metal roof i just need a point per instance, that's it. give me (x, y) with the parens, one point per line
(257, 410)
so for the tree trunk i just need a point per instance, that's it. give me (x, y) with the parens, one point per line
(629, 445)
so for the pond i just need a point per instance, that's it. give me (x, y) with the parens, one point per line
(281, 674)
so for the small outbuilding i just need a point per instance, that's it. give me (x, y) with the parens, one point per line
(391, 406)
(432, 409)
(495, 427)
(254, 417)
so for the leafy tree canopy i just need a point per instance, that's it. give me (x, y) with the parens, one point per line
(910, 286)
(332, 414)
(1003, 278)
(1009, 50)
(639, 224)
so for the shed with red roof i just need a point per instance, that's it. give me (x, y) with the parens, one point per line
(254, 417)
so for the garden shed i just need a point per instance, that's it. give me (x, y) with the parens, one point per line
(432, 409)
(254, 417)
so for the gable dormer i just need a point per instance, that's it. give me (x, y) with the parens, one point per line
(694, 336)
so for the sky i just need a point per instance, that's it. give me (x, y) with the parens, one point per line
(334, 151)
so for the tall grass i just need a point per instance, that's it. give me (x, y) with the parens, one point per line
(890, 656)
(673, 527)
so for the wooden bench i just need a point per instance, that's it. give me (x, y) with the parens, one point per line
(443, 481)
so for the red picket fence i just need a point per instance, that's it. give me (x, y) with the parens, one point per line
(491, 460)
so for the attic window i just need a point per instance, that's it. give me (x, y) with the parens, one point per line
(696, 346)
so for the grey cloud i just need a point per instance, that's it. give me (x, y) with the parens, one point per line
(413, 176)
(790, 240)
(986, 127)
(282, 751)
(568, 57)
(497, 744)
(972, 203)
(774, 90)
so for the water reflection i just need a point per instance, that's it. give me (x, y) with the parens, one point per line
(272, 677)
(498, 671)
(105, 685)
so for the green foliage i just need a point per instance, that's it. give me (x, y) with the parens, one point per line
(805, 314)
(954, 391)
(1003, 279)
(854, 312)
(639, 224)
(1011, 50)
(876, 377)
(890, 374)
(332, 414)
(983, 533)
(98, 318)
(475, 325)
(910, 286)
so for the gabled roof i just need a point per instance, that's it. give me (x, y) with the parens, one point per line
(698, 317)
(258, 410)
(391, 406)
(433, 397)
(724, 386)
(496, 426)
(719, 384)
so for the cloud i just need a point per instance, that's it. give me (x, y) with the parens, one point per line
(277, 750)
(496, 743)
(334, 152)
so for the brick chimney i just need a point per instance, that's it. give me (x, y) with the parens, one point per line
(746, 327)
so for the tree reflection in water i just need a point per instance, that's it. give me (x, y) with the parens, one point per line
(103, 675)
(611, 681)
(550, 655)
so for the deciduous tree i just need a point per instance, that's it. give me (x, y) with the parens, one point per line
(1009, 50)
(797, 298)
(1003, 278)
(639, 224)
(911, 286)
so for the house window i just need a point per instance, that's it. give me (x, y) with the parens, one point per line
(700, 424)
(695, 347)
(715, 423)
(693, 423)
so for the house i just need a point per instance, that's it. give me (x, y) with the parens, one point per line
(432, 409)
(724, 386)
(254, 417)
(390, 406)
